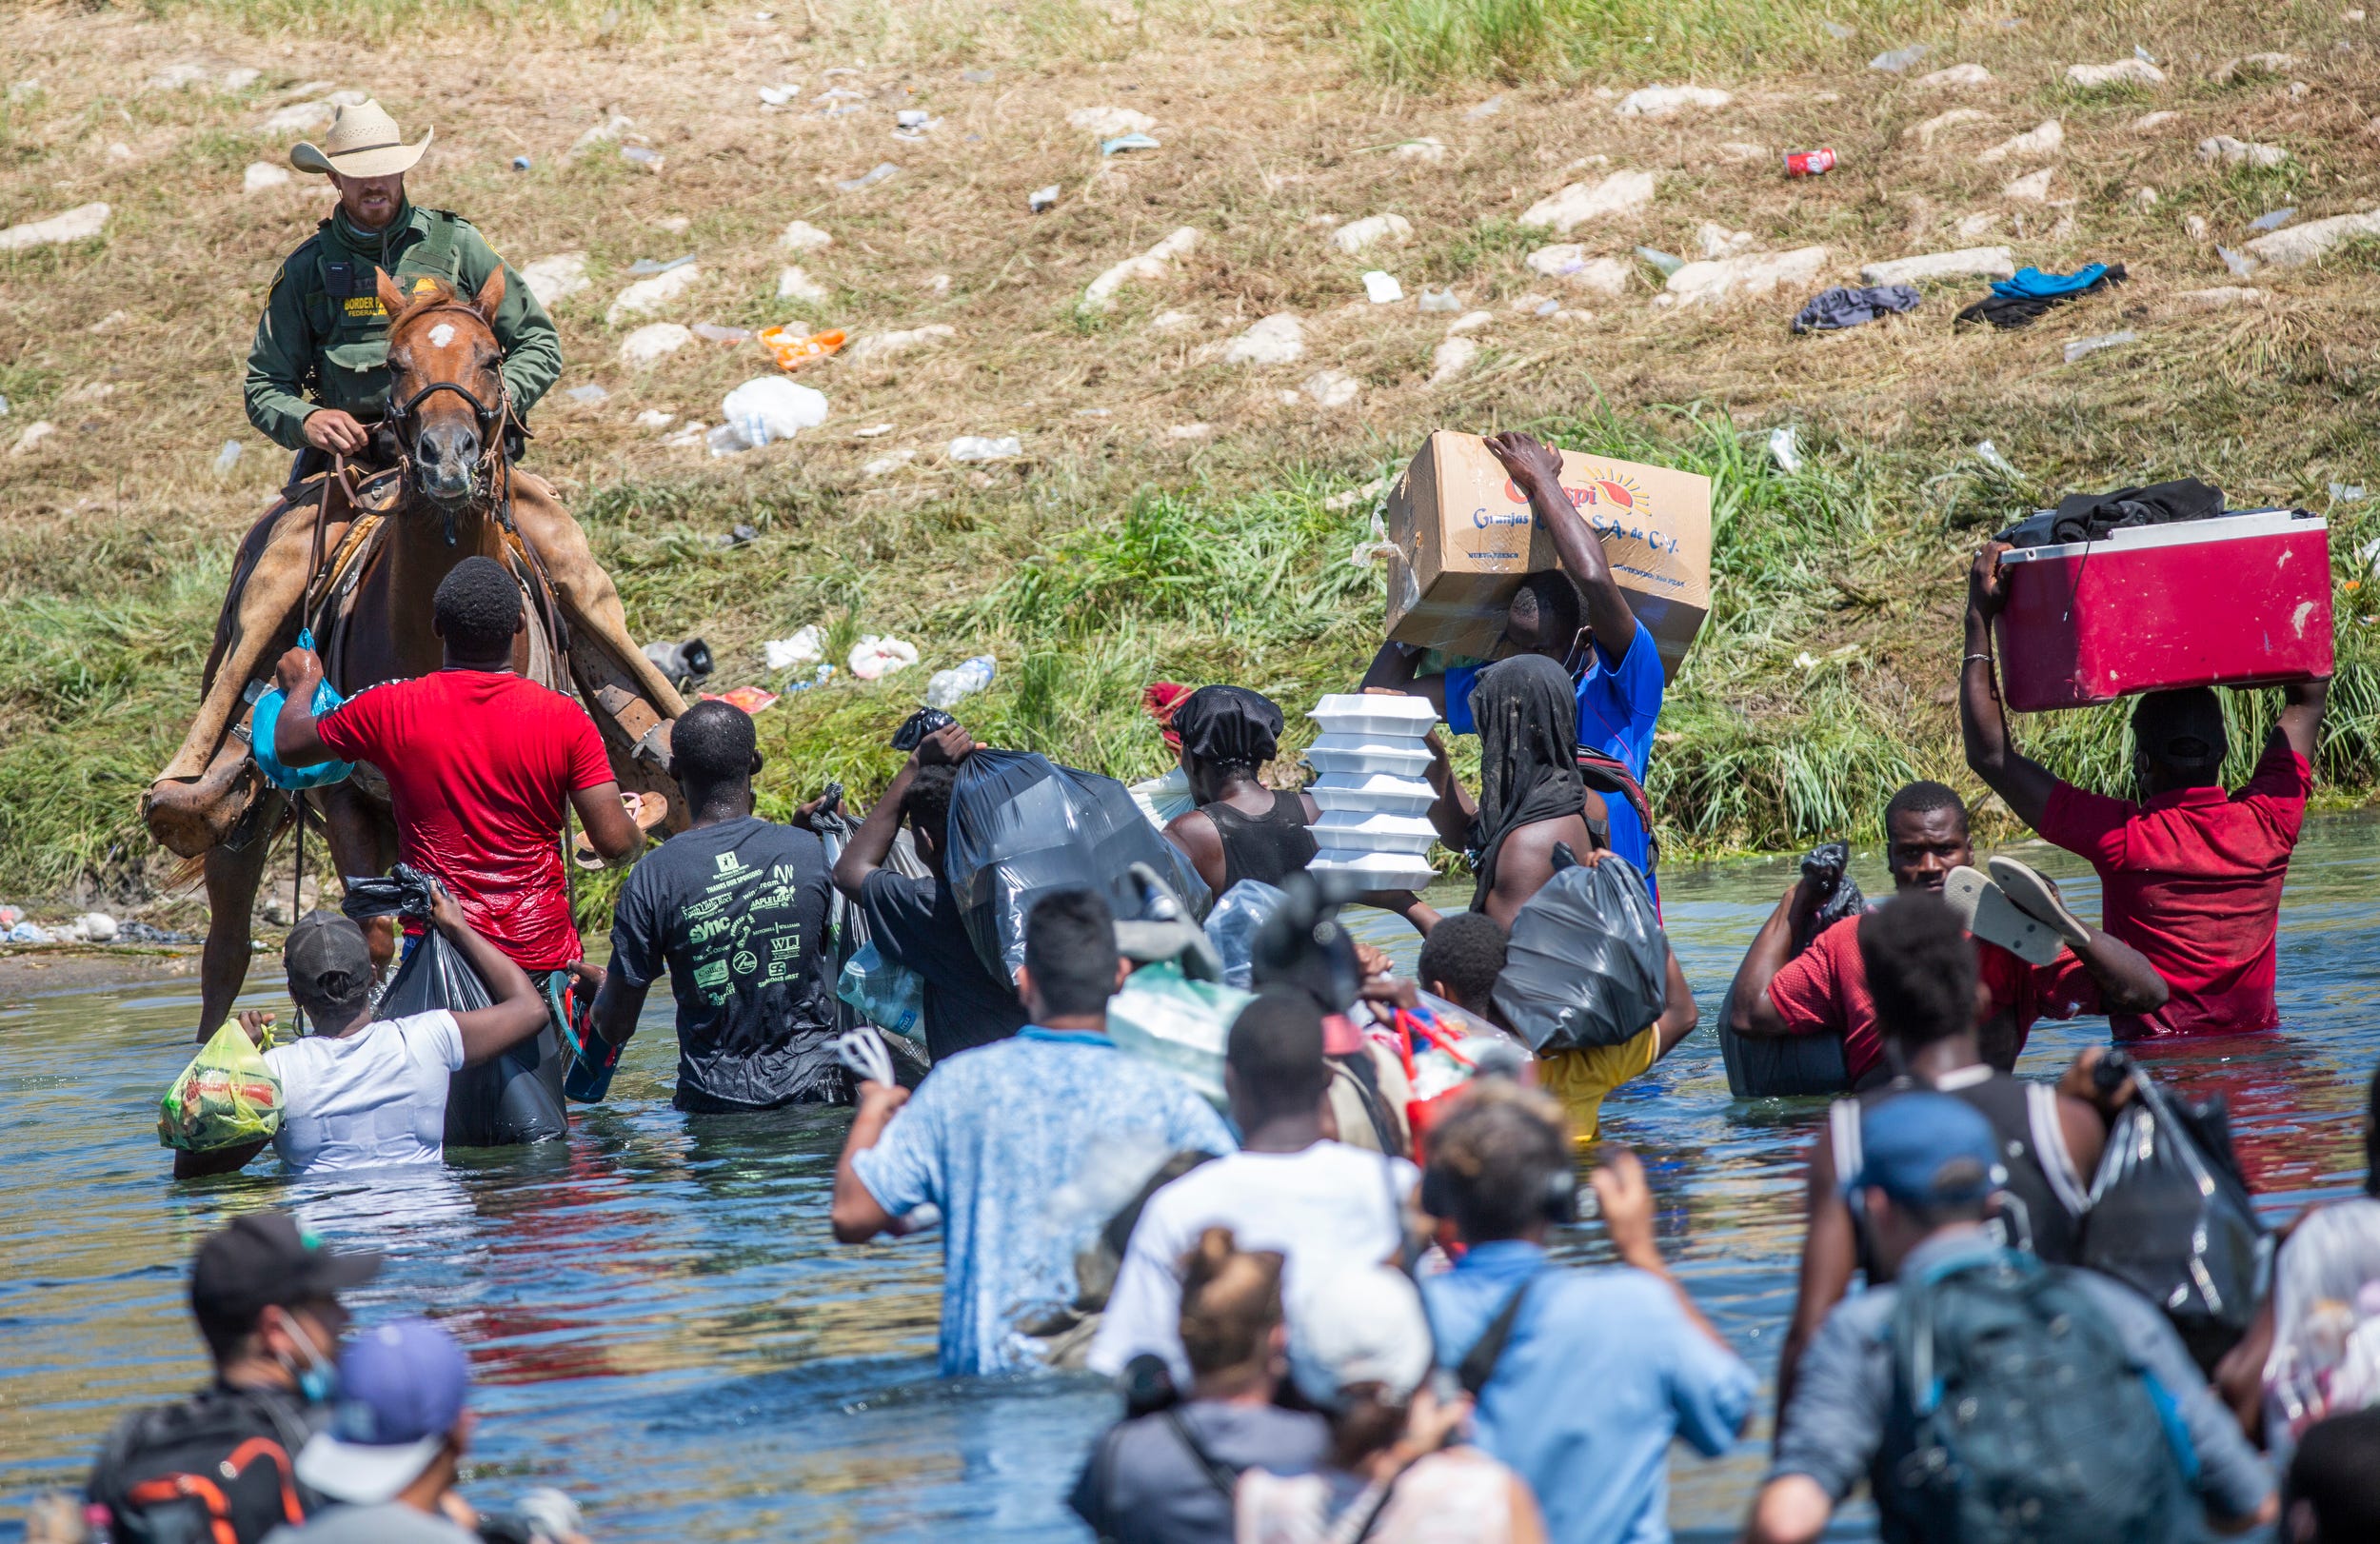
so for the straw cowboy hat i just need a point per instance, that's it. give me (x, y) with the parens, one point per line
(363, 141)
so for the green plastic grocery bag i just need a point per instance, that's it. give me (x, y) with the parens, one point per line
(226, 1096)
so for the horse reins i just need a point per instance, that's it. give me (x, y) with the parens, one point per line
(491, 426)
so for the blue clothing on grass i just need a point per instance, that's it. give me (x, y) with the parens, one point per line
(1604, 1368)
(2032, 284)
(993, 1136)
(1620, 706)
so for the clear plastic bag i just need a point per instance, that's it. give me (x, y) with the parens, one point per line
(1180, 1024)
(226, 1096)
(888, 996)
(1588, 965)
(1022, 826)
(1235, 922)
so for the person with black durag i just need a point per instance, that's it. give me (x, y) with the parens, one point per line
(1533, 799)
(1242, 830)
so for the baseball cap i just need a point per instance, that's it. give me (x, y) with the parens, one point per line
(401, 1388)
(1928, 1149)
(328, 959)
(1356, 1324)
(265, 1259)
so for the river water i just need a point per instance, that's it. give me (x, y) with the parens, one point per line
(662, 1324)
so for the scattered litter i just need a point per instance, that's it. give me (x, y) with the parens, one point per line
(1128, 142)
(1429, 148)
(2257, 66)
(806, 646)
(2144, 199)
(777, 97)
(713, 332)
(874, 431)
(690, 437)
(978, 77)
(873, 658)
(1990, 455)
(2240, 152)
(1107, 123)
(653, 418)
(2195, 226)
(27, 933)
(2148, 123)
(1580, 202)
(1356, 495)
(868, 178)
(652, 265)
(913, 123)
(1488, 109)
(79, 223)
(1717, 241)
(1570, 261)
(1785, 450)
(885, 344)
(263, 177)
(551, 278)
(1470, 322)
(1973, 263)
(2143, 55)
(2220, 298)
(752, 699)
(1438, 300)
(2047, 139)
(2240, 263)
(1666, 101)
(1753, 273)
(646, 296)
(228, 458)
(2032, 188)
(1956, 76)
(2132, 71)
(589, 394)
(2303, 244)
(1815, 162)
(641, 155)
(1839, 33)
(986, 448)
(2030, 294)
(946, 689)
(765, 409)
(2346, 492)
(1041, 198)
(1273, 340)
(4, 406)
(1450, 358)
(1331, 389)
(801, 236)
(1664, 263)
(1900, 59)
(1154, 264)
(1382, 289)
(792, 349)
(32, 436)
(834, 96)
(2273, 220)
(741, 536)
(2082, 346)
(135, 931)
(1356, 235)
(1834, 309)
(793, 283)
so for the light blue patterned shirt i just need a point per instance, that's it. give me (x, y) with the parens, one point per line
(1013, 1140)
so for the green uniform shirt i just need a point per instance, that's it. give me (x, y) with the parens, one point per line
(325, 336)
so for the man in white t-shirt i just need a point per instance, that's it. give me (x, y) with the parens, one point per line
(1290, 1187)
(361, 1093)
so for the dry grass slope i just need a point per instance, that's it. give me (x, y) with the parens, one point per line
(1173, 513)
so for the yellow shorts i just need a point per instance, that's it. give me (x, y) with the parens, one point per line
(1581, 1079)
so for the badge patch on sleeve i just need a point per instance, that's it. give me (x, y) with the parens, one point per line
(423, 284)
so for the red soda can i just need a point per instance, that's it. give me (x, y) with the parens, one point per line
(1808, 163)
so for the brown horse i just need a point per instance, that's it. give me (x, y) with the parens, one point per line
(447, 499)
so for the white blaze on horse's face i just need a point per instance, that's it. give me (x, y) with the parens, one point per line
(442, 334)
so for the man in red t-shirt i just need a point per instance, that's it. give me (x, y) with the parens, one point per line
(2191, 875)
(480, 763)
(1824, 989)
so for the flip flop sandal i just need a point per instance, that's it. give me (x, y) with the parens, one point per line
(2032, 893)
(1988, 913)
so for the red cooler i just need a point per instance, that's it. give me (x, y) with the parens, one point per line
(2240, 601)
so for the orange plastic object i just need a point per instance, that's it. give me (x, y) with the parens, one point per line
(792, 352)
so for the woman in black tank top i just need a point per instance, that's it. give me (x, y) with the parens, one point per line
(1242, 830)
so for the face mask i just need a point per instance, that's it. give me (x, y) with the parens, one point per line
(318, 1379)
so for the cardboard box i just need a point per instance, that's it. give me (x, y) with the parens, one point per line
(1465, 538)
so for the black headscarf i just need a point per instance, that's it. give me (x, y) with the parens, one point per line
(1229, 727)
(1527, 712)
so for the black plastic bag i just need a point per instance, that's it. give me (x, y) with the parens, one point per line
(1827, 866)
(2171, 1217)
(1022, 826)
(913, 730)
(1588, 965)
(512, 1099)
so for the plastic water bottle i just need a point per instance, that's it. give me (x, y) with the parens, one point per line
(949, 687)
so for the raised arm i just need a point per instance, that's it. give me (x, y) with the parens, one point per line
(873, 842)
(609, 830)
(1679, 1015)
(1535, 469)
(2128, 983)
(1829, 1256)
(1393, 670)
(1454, 811)
(2301, 714)
(856, 1215)
(296, 739)
(2023, 783)
(519, 1010)
(1749, 1010)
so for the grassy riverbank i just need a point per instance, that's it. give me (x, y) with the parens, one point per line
(1175, 516)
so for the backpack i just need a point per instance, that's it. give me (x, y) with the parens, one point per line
(213, 1469)
(2017, 1414)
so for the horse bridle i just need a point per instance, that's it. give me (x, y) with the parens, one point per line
(492, 458)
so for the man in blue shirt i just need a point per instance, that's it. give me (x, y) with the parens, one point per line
(998, 1137)
(1614, 662)
(1582, 1376)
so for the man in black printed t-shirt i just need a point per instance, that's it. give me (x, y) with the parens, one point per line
(735, 908)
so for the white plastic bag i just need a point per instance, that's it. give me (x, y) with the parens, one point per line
(765, 409)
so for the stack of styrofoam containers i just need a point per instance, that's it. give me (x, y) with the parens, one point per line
(1374, 790)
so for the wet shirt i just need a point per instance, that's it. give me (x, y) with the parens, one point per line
(1602, 1370)
(1144, 1485)
(916, 924)
(480, 765)
(371, 1099)
(1824, 991)
(735, 913)
(1620, 706)
(2193, 879)
(1836, 1426)
(996, 1137)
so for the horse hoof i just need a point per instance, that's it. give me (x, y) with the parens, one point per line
(192, 816)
